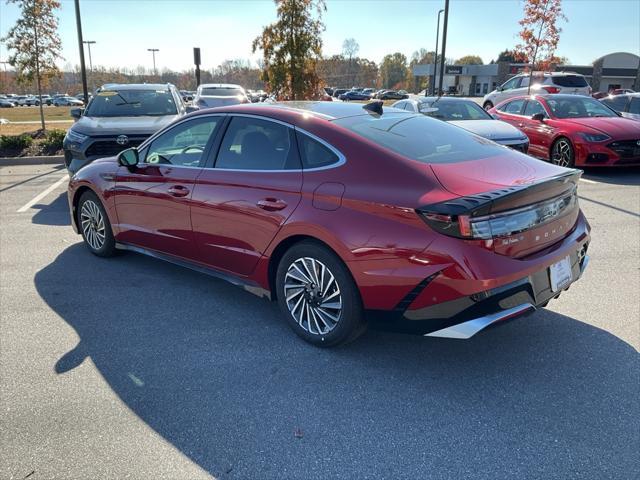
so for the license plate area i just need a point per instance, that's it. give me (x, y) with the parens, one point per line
(560, 274)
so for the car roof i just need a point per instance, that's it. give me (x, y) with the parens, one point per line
(318, 109)
(135, 86)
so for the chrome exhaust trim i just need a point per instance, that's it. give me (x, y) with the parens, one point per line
(469, 328)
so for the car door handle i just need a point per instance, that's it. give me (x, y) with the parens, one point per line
(271, 204)
(178, 191)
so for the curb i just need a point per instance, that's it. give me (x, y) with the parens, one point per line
(42, 160)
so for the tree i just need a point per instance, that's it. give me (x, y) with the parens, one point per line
(35, 44)
(350, 48)
(393, 70)
(291, 48)
(512, 56)
(469, 60)
(540, 34)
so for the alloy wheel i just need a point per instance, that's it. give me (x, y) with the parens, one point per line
(562, 153)
(313, 295)
(93, 225)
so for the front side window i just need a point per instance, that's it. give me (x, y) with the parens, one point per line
(421, 138)
(513, 83)
(184, 144)
(314, 154)
(132, 103)
(514, 107)
(577, 106)
(534, 107)
(255, 144)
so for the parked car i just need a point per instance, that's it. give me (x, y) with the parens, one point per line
(627, 105)
(339, 91)
(21, 100)
(621, 91)
(354, 95)
(119, 117)
(573, 130)
(344, 217)
(67, 102)
(392, 95)
(541, 83)
(211, 95)
(6, 103)
(469, 115)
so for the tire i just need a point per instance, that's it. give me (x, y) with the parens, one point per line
(487, 105)
(94, 226)
(562, 153)
(341, 320)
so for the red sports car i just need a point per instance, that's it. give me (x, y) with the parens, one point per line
(573, 130)
(345, 214)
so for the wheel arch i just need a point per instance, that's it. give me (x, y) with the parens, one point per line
(76, 199)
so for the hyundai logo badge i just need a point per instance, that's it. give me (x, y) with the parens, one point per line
(122, 140)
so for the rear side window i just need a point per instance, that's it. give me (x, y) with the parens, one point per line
(421, 138)
(634, 106)
(618, 103)
(574, 81)
(314, 154)
(255, 144)
(514, 107)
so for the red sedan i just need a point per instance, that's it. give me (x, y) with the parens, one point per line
(573, 130)
(346, 215)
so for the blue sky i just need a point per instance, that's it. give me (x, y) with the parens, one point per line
(124, 29)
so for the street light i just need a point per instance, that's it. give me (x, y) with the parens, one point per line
(153, 52)
(444, 45)
(435, 59)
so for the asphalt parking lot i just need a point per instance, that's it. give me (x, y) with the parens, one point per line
(134, 368)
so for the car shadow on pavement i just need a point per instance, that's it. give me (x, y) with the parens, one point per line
(614, 176)
(55, 213)
(217, 372)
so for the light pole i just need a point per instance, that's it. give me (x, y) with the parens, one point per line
(153, 52)
(88, 43)
(444, 45)
(83, 72)
(435, 59)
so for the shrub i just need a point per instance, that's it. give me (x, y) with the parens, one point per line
(17, 142)
(53, 139)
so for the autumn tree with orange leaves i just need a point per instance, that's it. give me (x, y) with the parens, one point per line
(540, 33)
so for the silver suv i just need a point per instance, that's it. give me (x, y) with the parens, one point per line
(541, 82)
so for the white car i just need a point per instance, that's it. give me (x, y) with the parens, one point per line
(211, 95)
(541, 82)
(67, 102)
(469, 115)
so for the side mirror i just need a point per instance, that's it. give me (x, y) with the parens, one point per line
(538, 117)
(128, 157)
(76, 112)
(499, 89)
(192, 108)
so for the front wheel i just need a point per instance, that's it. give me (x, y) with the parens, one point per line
(487, 106)
(318, 296)
(95, 226)
(562, 153)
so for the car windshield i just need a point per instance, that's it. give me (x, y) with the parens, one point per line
(131, 103)
(421, 138)
(452, 110)
(577, 106)
(221, 92)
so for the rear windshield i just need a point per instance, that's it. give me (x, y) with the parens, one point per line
(570, 81)
(452, 110)
(131, 103)
(421, 138)
(221, 92)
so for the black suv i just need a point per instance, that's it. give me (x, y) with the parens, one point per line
(119, 116)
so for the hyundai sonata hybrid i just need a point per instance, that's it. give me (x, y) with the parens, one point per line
(346, 215)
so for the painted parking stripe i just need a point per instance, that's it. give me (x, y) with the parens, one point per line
(43, 194)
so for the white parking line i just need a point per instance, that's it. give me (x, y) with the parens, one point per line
(586, 180)
(41, 195)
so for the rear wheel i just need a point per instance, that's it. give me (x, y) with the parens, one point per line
(487, 105)
(94, 226)
(318, 296)
(562, 153)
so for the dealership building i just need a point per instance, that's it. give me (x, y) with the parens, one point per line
(616, 70)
